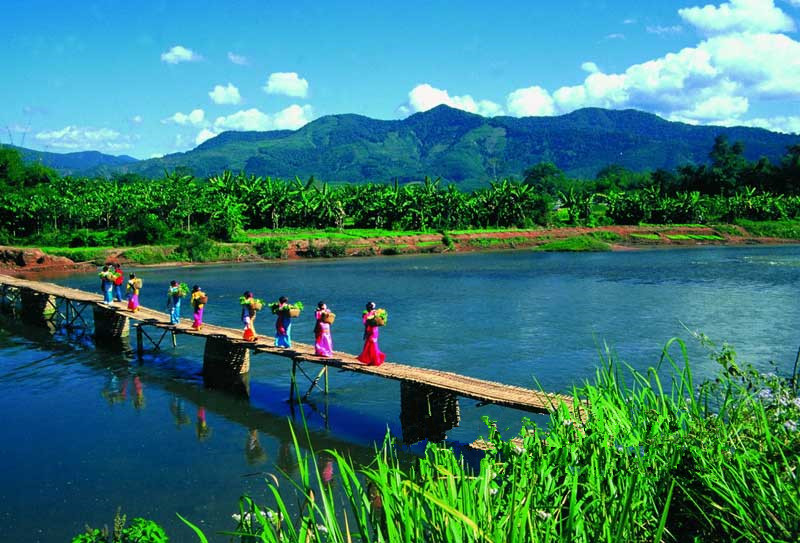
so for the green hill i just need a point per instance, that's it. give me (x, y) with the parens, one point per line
(79, 163)
(461, 147)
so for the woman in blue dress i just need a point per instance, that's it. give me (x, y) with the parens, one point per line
(283, 325)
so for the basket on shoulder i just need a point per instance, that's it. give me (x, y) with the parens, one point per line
(379, 318)
(327, 317)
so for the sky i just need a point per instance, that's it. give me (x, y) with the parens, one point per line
(149, 78)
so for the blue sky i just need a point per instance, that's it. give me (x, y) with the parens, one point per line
(150, 78)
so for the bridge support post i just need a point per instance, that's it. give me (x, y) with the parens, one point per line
(427, 412)
(109, 325)
(226, 365)
(37, 308)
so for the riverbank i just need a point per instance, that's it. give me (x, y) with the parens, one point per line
(300, 244)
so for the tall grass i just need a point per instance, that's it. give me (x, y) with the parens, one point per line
(653, 461)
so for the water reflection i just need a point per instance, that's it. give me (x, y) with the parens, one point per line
(202, 428)
(178, 410)
(253, 451)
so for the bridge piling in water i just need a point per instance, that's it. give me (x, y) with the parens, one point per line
(37, 307)
(109, 325)
(226, 365)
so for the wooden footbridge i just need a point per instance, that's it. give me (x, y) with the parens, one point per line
(427, 395)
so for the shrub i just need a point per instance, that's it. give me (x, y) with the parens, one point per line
(271, 248)
(146, 229)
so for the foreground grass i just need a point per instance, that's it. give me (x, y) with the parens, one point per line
(652, 462)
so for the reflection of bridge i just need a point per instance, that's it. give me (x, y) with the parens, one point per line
(429, 402)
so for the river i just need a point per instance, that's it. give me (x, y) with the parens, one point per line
(86, 430)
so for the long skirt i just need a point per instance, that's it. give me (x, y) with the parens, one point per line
(284, 340)
(108, 295)
(323, 346)
(198, 317)
(175, 312)
(371, 355)
(133, 302)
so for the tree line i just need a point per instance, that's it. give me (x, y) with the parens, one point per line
(37, 204)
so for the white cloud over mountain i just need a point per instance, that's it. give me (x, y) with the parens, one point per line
(196, 117)
(744, 59)
(75, 137)
(225, 95)
(287, 83)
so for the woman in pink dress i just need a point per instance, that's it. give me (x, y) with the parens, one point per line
(371, 355)
(323, 346)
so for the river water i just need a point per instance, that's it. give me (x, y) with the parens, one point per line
(86, 430)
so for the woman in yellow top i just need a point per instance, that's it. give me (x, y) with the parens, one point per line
(134, 286)
(198, 300)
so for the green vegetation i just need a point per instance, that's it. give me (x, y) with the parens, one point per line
(37, 207)
(776, 229)
(575, 244)
(271, 248)
(694, 236)
(139, 531)
(604, 235)
(652, 461)
(646, 236)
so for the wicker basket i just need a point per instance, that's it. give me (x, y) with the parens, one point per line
(328, 317)
(202, 300)
(294, 312)
(256, 305)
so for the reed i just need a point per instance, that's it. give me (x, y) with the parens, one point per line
(653, 461)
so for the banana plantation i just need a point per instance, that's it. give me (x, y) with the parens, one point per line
(38, 205)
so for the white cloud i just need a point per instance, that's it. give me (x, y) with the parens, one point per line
(225, 95)
(288, 83)
(196, 118)
(74, 137)
(179, 54)
(590, 67)
(615, 36)
(136, 119)
(785, 124)
(237, 59)
(292, 117)
(531, 101)
(629, 21)
(738, 16)
(203, 135)
(424, 97)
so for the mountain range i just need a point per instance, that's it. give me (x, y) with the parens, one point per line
(78, 163)
(457, 146)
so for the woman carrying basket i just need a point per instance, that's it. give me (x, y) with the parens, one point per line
(323, 346)
(371, 355)
(199, 300)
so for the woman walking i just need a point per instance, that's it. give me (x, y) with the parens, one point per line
(283, 324)
(174, 296)
(133, 288)
(249, 308)
(323, 345)
(106, 284)
(371, 355)
(198, 300)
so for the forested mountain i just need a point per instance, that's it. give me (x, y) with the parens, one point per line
(461, 147)
(79, 163)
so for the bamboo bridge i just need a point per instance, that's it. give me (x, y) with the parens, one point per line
(428, 397)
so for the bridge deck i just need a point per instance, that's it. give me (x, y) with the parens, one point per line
(469, 387)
